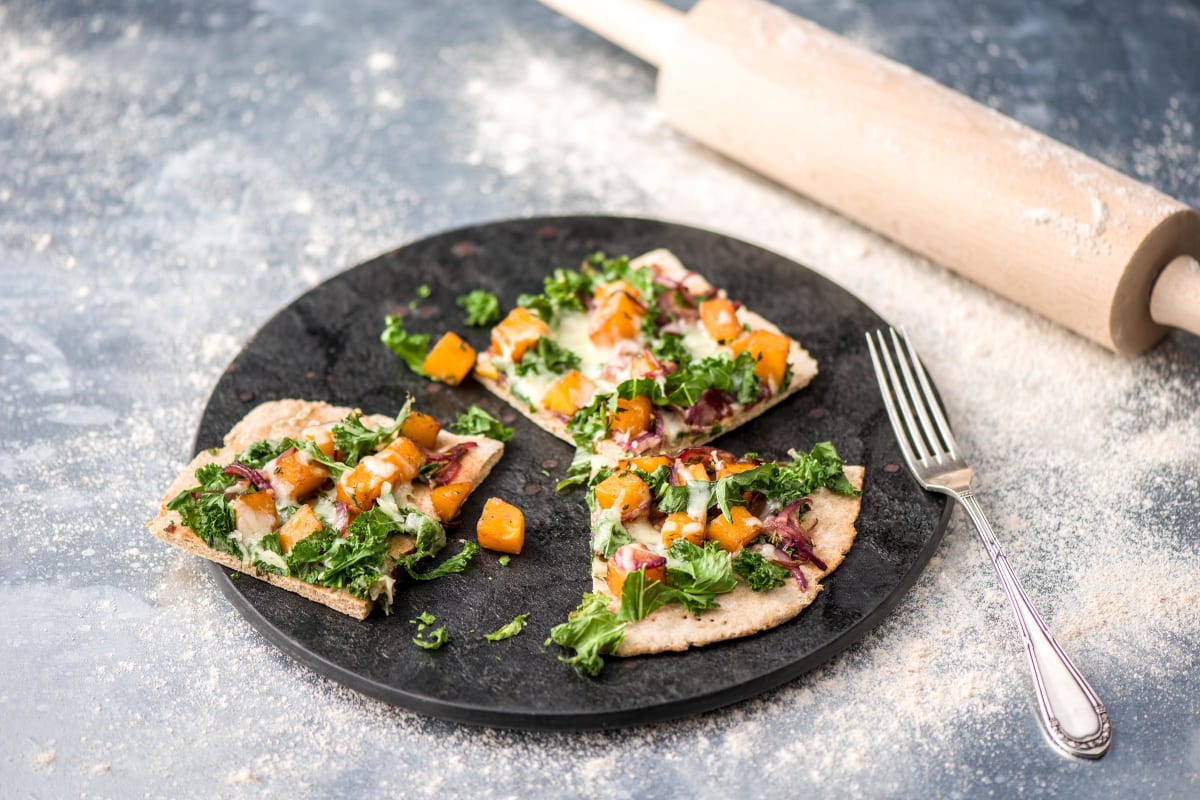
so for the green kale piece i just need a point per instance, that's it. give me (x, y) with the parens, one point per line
(508, 631)
(547, 356)
(412, 347)
(437, 638)
(761, 574)
(590, 630)
(477, 422)
(482, 308)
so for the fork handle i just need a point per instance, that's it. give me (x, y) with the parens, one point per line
(1072, 715)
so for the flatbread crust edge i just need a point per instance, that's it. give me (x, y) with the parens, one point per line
(282, 418)
(744, 611)
(804, 369)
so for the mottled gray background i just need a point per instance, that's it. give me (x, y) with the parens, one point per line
(173, 173)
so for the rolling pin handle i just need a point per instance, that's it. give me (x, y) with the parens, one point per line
(1175, 298)
(646, 28)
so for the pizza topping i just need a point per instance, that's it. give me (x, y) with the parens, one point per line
(293, 476)
(482, 308)
(736, 531)
(303, 523)
(624, 493)
(634, 558)
(447, 500)
(682, 525)
(720, 319)
(590, 630)
(501, 527)
(255, 477)
(519, 331)
(450, 360)
(548, 357)
(254, 514)
(442, 468)
(568, 394)
(761, 574)
(412, 347)
(477, 422)
(421, 428)
(608, 534)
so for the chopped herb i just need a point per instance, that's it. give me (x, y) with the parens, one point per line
(639, 599)
(424, 618)
(258, 454)
(590, 630)
(437, 638)
(482, 308)
(453, 565)
(505, 560)
(761, 574)
(547, 356)
(477, 422)
(423, 291)
(508, 631)
(669, 347)
(412, 347)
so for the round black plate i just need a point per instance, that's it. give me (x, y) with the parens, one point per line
(325, 346)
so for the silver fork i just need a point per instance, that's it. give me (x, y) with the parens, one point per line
(1071, 714)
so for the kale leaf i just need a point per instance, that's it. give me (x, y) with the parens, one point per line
(761, 574)
(508, 631)
(482, 308)
(477, 422)
(590, 630)
(547, 356)
(412, 347)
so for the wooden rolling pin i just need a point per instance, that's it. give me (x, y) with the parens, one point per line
(986, 196)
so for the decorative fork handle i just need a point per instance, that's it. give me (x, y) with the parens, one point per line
(1072, 715)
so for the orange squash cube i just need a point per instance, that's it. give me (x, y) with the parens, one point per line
(447, 500)
(322, 435)
(517, 332)
(295, 475)
(625, 492)
(405, 456)
(681, 526)
(632, 417)
(619, 317)
(569, 393)
(450, 359)
(734, 469)
(422, 429)
(630, 558)
(734, 534)
(720, 320)
(254, 513)
(770, 351)
(691, 472)
(303, 523)
(501, 527)
(647, 464)
(360, 487)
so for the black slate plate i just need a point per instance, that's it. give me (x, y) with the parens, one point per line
(325, 346)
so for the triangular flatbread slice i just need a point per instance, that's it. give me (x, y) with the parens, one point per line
(300, 486)
(649, 328)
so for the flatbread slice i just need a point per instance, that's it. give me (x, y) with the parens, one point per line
(744, 611)
(759, 538)
(465, 460)
(628, 331)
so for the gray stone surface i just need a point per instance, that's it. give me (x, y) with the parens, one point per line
(171, 174)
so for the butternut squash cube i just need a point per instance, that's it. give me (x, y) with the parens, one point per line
(618, 317)
(720, 320)
(770, 351)
(646, 364)
(484, 368)
(447, 500)
(360, 487)
(406, 457)
(501, 527)
(625, 492)
(322, 435)
(734, 469)
(518, 332)
(422, 429)
(450, 359)
(631, 558)
(254, 513)
(632, 417)
(569, 393)
(691, 472)
(294, 476)
(734, 534)
(647, 464)
(681, 526)
(303, 523)
(605, 291)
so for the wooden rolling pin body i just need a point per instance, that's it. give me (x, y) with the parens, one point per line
(974, 190)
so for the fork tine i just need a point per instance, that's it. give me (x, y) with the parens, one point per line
(931, 401)
(920, 400)
(897, 405)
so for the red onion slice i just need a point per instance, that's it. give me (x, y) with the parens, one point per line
(249, 473)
